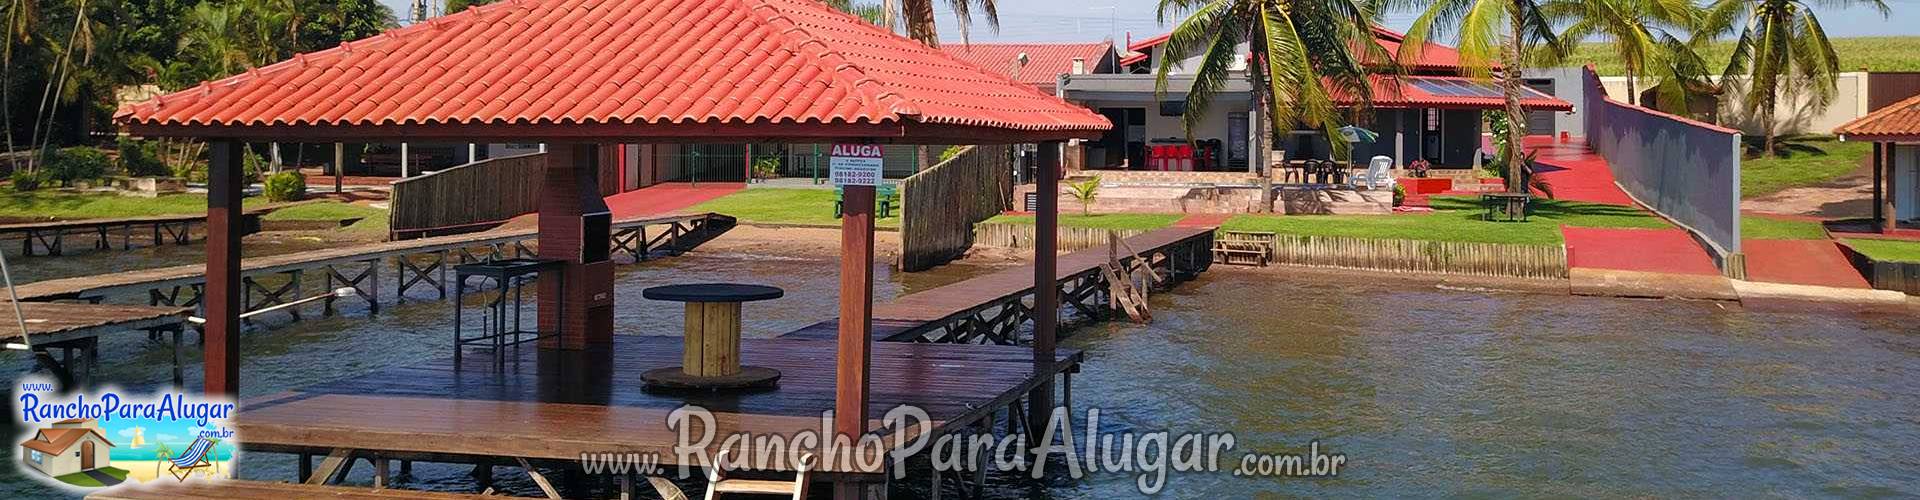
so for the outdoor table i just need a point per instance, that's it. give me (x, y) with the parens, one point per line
(711, 358)
(510, 277)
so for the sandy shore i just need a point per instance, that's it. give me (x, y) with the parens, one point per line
(141, 471)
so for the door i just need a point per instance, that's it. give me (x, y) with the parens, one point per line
(1540, 122)
(86, 455)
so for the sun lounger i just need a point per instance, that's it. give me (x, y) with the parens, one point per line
(195, 457)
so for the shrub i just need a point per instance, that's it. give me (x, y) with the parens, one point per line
(76, 164)
(766, 167)
(1399, 195)
(950, 152)
(1086, 191)
(24, 181)
(142, 158)
(286, 186)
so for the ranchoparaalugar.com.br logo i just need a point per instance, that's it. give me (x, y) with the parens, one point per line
(103, 438)
(907, 431)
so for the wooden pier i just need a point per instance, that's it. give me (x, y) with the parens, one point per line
(101, 234)
(74, 330)
(991, 308)
(415, 263)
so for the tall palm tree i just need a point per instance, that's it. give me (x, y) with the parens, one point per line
(1302, 54)
(1780, 42)
(918, 18)
(20, 16)
(872, 13)
(1489, 30)
(1639, 32)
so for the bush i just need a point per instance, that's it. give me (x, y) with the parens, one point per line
(1399, 195)
(24, 181)
(286, 186)
(766, 167)
(142, 158)
(76, 164)
(949, 153)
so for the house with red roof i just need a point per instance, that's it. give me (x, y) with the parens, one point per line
(1040, 64)
(1433, 113)
(69, 446)
(1894, 131)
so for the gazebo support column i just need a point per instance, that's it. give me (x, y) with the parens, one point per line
(577, 300)
(856, 324)
(223, 292)
(1890, 219)
(1046, 290)
(1879, 163)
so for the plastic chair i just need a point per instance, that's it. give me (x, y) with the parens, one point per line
(1379, 175)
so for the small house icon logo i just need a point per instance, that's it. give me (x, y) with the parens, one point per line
(72, 451)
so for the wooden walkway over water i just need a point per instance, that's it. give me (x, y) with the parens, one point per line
(50, 236)
(991, 308)
(74, 331)
(421, 262)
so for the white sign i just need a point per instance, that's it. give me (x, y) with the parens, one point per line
(856, 164)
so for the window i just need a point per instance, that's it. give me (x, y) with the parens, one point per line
(1433, 120)
(37, 457)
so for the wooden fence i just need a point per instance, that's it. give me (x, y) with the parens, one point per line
(469, 197)
(1480, 259)
(939, 205)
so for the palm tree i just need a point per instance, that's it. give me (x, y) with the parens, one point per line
(1641, 33)
(872, 13)
(1303, 53)
(919, 18)
(1780, 42)
(1506, 30)
(18, 27)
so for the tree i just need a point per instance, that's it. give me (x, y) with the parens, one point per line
(1302, 54)
(1643, 34)
(1781, 43)
(1506, 30)
(1086, 192)
(872, 13)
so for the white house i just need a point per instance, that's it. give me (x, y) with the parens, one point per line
(70, 446)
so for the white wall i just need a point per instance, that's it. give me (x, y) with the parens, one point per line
(1794, 114)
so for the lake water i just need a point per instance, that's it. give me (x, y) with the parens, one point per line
(1427, 392)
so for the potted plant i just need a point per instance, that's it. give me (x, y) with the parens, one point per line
(1418, 169)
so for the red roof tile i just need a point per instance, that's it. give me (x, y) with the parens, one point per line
(1450, 92)
(1899, 121)
(642, 67)
(1045, 61)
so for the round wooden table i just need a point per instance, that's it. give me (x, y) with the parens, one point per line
(711, 358)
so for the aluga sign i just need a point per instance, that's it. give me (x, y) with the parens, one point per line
(856, 164)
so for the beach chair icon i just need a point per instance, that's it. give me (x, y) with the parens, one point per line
(195, 457)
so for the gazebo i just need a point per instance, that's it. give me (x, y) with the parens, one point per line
(1895, 133)
(582, 75)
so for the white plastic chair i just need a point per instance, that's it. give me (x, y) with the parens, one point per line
(1378, 175)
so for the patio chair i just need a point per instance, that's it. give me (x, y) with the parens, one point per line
(194, 458)
(1379, 175)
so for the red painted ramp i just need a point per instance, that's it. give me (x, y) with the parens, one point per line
(667, 198)
(1800, 262)
(1647, 250)
(1576, 172)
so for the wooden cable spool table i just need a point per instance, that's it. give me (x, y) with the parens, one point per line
(711, 358)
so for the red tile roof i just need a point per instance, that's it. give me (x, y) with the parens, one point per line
(1450, 92)
(1045, 61)
(633, 68)
(57, 441)
(1898, 121)
(1433, 56)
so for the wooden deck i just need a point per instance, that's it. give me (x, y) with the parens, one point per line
(256, 490)
(75, 329)
(968, 309)
(163, 284)
(555, 405)
(51, 236)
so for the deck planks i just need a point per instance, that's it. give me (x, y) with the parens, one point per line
(51, 322)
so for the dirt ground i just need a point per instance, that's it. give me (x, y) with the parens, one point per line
(1849, 196)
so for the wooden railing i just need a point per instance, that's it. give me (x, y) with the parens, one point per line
(469, 197)
(940, 204)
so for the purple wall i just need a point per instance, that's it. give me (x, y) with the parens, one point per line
(1687, 170)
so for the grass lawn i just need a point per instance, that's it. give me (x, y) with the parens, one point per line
(1098, 221)
(371, 219)
(1887, 250)
(65, 205)
(1762, 228)
(1876, 53)
(783, 206)
(82, 479)
(1764, 176)
(1455, 219)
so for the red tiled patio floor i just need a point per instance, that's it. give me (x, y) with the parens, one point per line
(1202, 220)
(1800, 262)
(1576, 172)
(669, 197)
(1647, 250)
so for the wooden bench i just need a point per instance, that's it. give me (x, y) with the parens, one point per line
(1253, 248)
(269, 491)
(884, 197)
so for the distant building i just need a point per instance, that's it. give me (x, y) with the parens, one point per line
(69, 446)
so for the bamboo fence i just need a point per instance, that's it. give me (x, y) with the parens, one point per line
(940, 205)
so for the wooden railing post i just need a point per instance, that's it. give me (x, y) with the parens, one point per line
(223, 289)
(1046, 299)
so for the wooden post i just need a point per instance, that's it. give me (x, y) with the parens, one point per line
(223, 291)
(575, 227)
(1891, 217)
(1046, 290)
(339, 164)
(1879, 162)
(856, 323)
(406, 161)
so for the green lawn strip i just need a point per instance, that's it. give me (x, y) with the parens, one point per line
(1098, 221)
(1455, 219)
(44, 205)
(1876, 53)
(325, 210)
(1763, 228)
(1768, 175)
(783, 206)
(1887, 250)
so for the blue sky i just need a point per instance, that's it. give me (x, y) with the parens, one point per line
(1086, 20)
